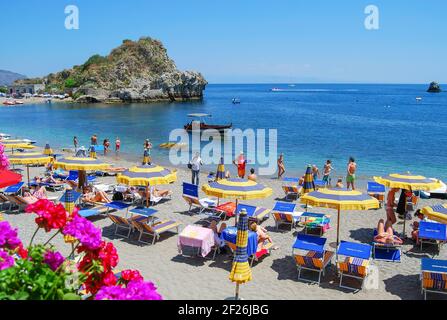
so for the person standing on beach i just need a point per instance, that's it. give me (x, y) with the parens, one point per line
(241, 164)
(76, 143)
(94, 140)
(327, 172)
(117, 145)
(315, 172)
(106, 145)
(195, 165)
(390, 205)
(350, 178)
(281, 167)
(146, 157)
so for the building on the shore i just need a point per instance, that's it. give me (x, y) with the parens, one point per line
(26, 88)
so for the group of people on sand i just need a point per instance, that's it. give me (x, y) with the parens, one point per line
(94, 142)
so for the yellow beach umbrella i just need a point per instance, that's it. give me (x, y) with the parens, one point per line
(237, 189)
(240, 271)
(436, 213)
(28, 159)
(340, 199)
(409, 182)
(148, 175)
(16, 145)
(81, 165)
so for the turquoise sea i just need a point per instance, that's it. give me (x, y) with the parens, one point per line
(383, 126)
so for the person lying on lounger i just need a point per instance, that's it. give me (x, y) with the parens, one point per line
(385, 234)
(49, 179)
(160, 193)
(415, 232)
(95, 196)
(262, 235)
(39, 193)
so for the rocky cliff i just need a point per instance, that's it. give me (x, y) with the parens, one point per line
(136, 71)
(434, 87)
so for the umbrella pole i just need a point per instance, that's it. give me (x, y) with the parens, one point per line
(235, 213)
(147, 196)
(338, 228)
(237, 292)
(27, 171)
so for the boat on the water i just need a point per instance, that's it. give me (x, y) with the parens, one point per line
(418, 99)
(9, 102)
(18, 102)
(236, 101)
(200, 123)
(276, 89)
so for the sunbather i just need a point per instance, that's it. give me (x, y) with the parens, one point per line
(39, 193)
(415, 232)
(262, 235)
(160, 193)
(217, 232)
(95, 196)
(385, 234)
(48, 179)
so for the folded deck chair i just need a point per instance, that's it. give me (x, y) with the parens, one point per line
(18, 201)
(355, 264)
(284, 214)
(433, 276)
(191, 196)
(432, 233)
(255, 214)
(4, 201)
(315, 221)
(377, 191)
(389, 252)
(309, 254)
(156, 229)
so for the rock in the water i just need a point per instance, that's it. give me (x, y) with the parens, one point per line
(434, 87)
(138, 71)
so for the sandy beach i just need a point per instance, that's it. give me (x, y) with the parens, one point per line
(274, 278)
(31, 100)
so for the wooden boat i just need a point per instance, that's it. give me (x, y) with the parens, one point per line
(9, 103)
(204, 126)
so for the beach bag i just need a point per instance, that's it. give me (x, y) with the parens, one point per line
(118, 196)
(189, 166)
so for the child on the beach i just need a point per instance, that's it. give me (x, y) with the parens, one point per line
(281, 166)
(339, 184)
(262, 235)
(117, 145)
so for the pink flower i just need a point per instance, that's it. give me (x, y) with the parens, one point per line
(6, 261)
(53, 260)
(85, 231)
(135, 290)
(50, 216)
(8, 237)
(131, 275)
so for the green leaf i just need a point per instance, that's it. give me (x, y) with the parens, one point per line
(71, 296)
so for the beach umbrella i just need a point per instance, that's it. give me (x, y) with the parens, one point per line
(48, 151)
(148, 175)
(220, 170)
(9, 178)
(237, 189)
(436, 213)
(27, 159)
(340, 199)
(240, 271)
(16, 145)
(408, 182)
(81, 165)
(309, 184)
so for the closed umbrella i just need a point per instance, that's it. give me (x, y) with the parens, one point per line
(240, 271)
(340, 199)
(309, 184)
(220, 170)
(48, 151)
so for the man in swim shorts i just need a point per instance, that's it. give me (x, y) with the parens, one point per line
(350, 178)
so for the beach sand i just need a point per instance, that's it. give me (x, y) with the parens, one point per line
(274, 278)
(32, 100)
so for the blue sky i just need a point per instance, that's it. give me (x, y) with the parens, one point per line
(238, 41)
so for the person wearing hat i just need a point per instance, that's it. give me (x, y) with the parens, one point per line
(241, 164)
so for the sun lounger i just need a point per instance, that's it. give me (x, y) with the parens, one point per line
(93, 212)
(20, 202)
(17, 188)
(125, 223)
(355, 264)
(377, 191)
(433, 276)
(309, 254)
(156, 229)
(255, 257)
(191, 196)
(315, 222)
(255, 214)
(389, 252)
(284, 214)
(432, 233)
(117, 205)
(155, 199)
(320, 184)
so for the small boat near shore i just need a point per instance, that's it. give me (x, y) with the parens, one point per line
(199, 122)
(9, 102)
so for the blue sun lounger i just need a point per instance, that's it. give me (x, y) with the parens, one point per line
(433, 276)
(432, 233)
(309, 254)
(14, 189)
(283, 213)
(355, 264)
(377, 191)
(255, 214)
(386, 251)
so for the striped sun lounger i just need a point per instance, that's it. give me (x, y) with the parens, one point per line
(432, 233)
(283, 213)
(309, 254)
(433, 276)
(356, 262)
(255, 214)
(156, 229)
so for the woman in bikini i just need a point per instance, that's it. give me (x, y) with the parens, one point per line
(385, 234)
(95, 196)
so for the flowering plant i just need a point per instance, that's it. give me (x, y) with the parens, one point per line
(40, 272)
(4, 162)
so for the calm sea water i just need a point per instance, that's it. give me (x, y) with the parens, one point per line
(382, 126)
